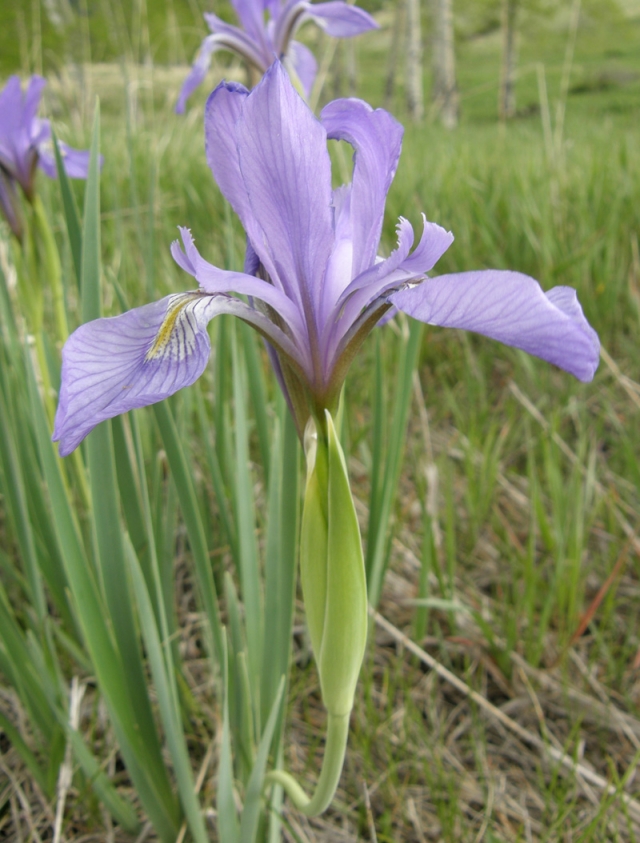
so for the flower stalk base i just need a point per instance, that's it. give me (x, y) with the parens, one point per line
(332, 763)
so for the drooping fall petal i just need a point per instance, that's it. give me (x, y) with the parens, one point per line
(512, 308)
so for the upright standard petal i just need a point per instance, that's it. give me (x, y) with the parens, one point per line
(17, 120)
(398, 269)
(286, 170)
(18, 155)
(122, 362)
(511, 308)
(221, 116)
(377, 140)
(10, 108)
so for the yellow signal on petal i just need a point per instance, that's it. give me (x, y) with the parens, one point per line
(177, 334)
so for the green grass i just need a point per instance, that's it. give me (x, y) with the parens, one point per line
(522, 537)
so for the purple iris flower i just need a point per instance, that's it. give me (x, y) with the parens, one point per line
(314, 284)
(25, 143)
(259, 42)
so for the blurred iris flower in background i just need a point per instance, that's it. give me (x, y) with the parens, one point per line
(25, 144)
(314, 285)
(259, 42)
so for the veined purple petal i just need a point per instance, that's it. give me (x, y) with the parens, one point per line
(400, 267)
(377, 140)
(216, 281)
(433, 244)
(287, 173)
(119, 363)
(221, 116)
(251, 259)
(512, 308)
(340, 19)
(303, 63)
(340, 267)
(366, 292)
(362, 291)
(367, 284)
(222, 113)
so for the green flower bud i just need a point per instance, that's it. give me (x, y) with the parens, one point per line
(332, 570)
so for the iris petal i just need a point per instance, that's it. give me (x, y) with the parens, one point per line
(377, 139)
(119, 363)
(215, 281)
(286, 170)
(511, 308)
(341, 20)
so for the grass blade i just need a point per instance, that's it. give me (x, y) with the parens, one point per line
(280, 557)
(251, 810)
(228, 825)
(71, 216)
(377, 539)
(189, 504)
(245, 519)
(164, 682)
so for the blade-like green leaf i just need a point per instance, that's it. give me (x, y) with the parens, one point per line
(24, 752)
(245, 519)
(17, 503)
(377, 537)
(191, 514)
(280, 558)
(70, 213)
(228, 825)
(90, 267)
(167, 700)
(257, 392)
(215, 473)
(253, 798)
(97, 632)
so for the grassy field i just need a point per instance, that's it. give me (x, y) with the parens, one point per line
(515, 550)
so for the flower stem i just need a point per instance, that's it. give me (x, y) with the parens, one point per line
(335, 748)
